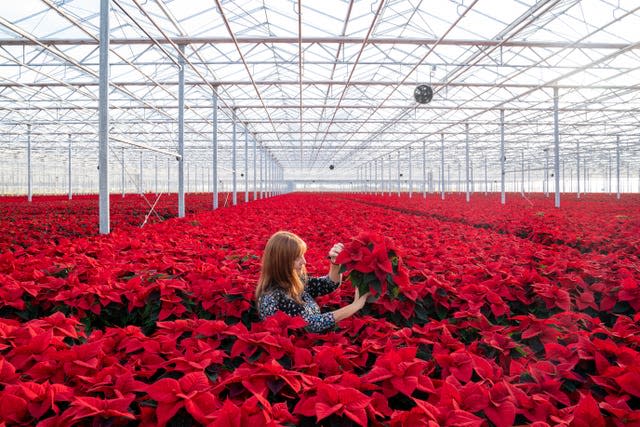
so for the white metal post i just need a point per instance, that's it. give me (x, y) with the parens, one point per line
(140, 173)
(69, 169)
(522, 174)
(255, 188)
(556, 140)
(503, 196)
(410, 174)
(609, 175)
(181, 209)
(261, 176)
(103, 118)
(618, 166)
(466, 131)
(442, 163)
(233, 158)
(399, 173)
(156, 172)
(29, 183)
(246, 164)
(122, 170)
(214, 153)
(578, 168)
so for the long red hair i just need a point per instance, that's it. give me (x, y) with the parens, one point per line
(278, 265)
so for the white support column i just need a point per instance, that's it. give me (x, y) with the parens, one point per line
(410, 174)
(181, 207)
(122, 170)
(140, 189)
(234, 140)
(255, 188)
(156, 173)
(69, 169)
(618, 167)
(103, 119)
(399, 183)
(522, 174)
(556, 149)
(29, 172)
(466, 149)
(214, 152)
(578, 168)
(272, 178)
(503, 197)
(442, 183)
(246, 164)
(545, 182)
(267, 171)
(261, 176)
(610, 174)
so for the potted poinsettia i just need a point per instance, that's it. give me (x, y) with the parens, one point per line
(373, 264)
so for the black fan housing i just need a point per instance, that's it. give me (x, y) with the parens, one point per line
(423, 94)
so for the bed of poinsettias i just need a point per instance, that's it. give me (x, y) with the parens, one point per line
(156, 326)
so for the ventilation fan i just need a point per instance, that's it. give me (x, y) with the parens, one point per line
(423, 94)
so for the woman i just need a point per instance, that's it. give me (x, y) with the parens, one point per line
(284, 285)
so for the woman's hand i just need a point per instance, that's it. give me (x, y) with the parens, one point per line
(360, 300)
(351, 309)
(334, 251)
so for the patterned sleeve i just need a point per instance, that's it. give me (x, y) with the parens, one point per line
(320, 322)
(267, 305)
(317, 286)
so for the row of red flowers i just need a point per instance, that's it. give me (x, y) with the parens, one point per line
(612, 225)
(24, 224)
(160, 327)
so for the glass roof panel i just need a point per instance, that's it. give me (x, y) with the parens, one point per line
(329, 82)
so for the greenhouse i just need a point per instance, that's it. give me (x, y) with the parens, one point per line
(459, 179)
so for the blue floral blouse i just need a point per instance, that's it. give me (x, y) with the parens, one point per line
(276, 299)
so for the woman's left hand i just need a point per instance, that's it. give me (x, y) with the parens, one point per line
(334, 251)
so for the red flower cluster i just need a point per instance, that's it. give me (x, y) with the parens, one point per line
(373, 264)
(157, 326)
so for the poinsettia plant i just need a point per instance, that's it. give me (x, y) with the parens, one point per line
(373, 264)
